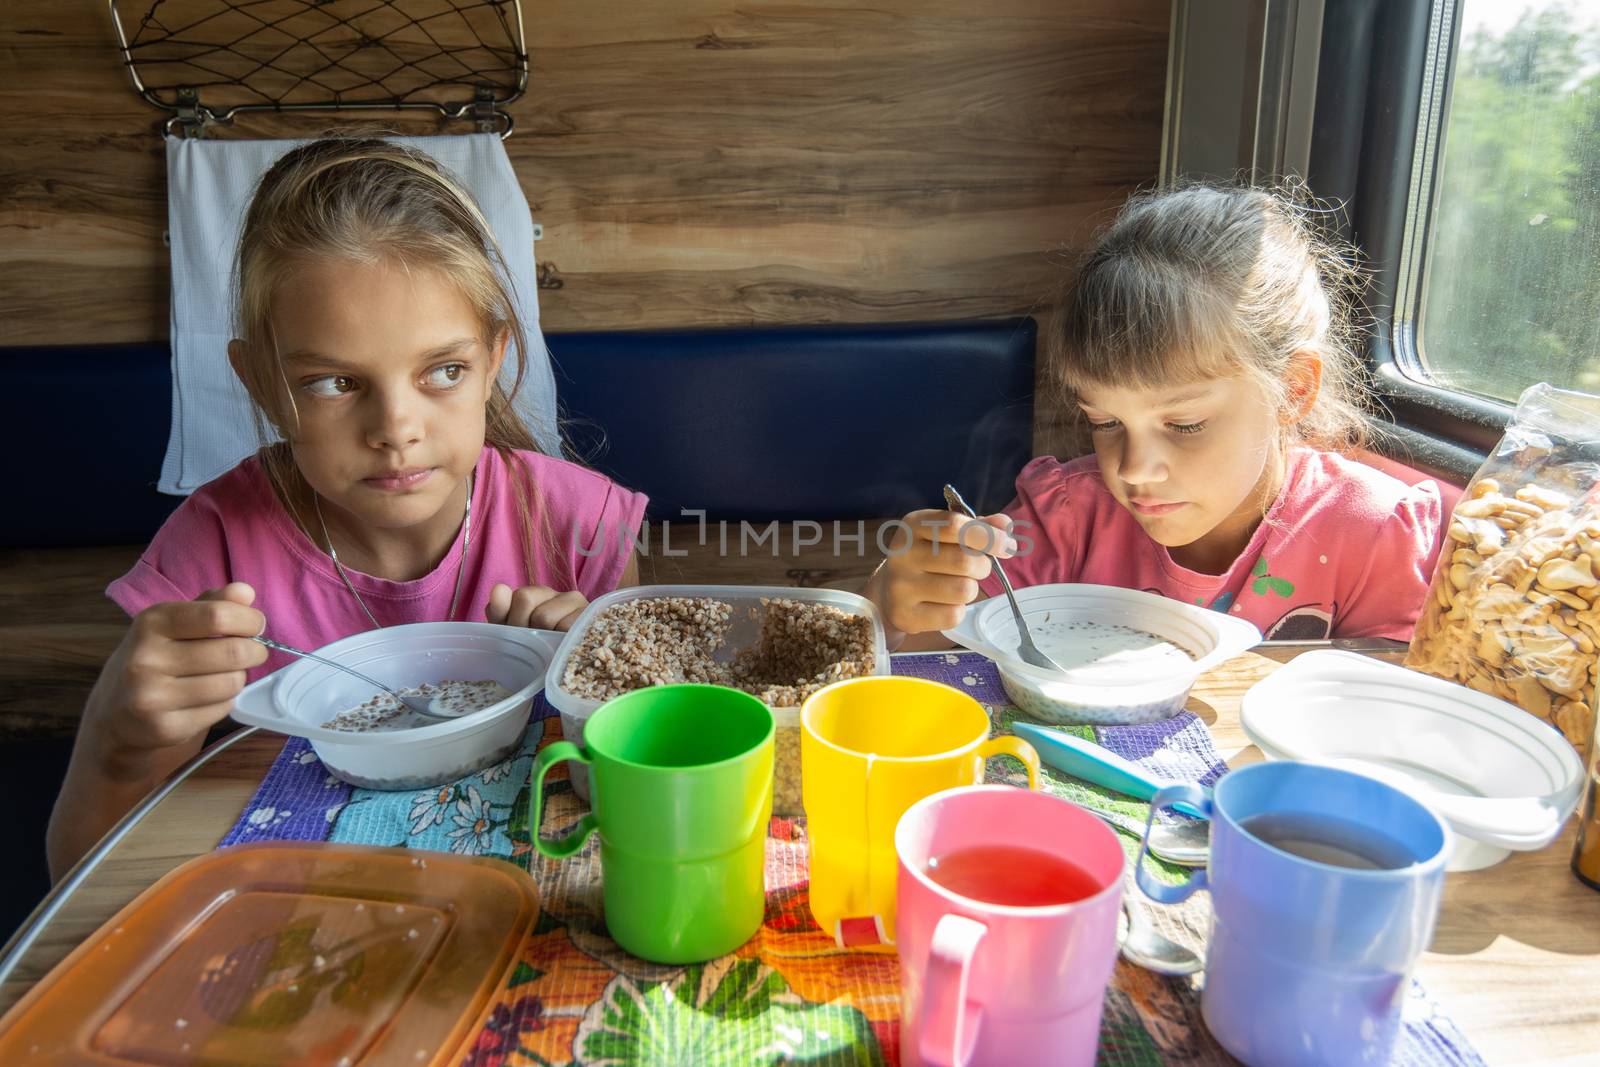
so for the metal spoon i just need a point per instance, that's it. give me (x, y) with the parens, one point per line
(1145, 946)
(1027, 651)
(1185, 844)
(419, 705)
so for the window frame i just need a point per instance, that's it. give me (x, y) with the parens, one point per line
(1383, 88)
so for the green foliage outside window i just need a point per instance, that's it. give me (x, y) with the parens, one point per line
(1512, 282)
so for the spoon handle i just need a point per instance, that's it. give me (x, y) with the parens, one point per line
(1095, 763)
(958, 504)
(291, 650)
(1029, 651)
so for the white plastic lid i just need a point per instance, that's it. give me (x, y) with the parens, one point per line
(1494, 772)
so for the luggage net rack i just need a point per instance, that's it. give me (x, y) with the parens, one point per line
(206, 61)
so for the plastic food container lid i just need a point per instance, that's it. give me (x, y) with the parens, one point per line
(743, 631)
(1495, 773)
(286, 953)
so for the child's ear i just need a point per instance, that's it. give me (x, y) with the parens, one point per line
(497, 352)
(239, 360)
(249, 376)
(1302, 383)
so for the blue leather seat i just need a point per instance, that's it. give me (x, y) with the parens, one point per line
(815, 422)
(804, 422)
(98, 416)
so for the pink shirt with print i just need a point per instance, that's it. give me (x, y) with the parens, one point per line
(234, 529)
(1345, 551)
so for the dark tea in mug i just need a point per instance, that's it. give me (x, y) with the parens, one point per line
(1328, 839)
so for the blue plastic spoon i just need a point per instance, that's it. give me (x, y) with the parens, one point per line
(1094, 763)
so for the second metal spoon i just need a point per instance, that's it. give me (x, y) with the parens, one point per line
(1183, 844)
(1145, 946)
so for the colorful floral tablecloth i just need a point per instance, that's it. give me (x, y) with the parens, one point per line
(790, 995)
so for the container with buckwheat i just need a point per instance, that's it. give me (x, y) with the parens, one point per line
(780, 644)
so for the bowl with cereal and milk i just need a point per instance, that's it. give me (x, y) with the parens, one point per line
(484, 674)
(1127, 656)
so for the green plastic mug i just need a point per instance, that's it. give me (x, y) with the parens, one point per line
(680, 778)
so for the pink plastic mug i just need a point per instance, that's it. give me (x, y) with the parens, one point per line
(984, 983)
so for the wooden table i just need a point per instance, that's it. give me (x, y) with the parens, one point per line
(1515, 961)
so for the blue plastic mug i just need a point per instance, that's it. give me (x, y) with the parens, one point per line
(1310, 958)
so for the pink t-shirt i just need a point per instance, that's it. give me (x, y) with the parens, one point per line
(1345, 551)
(234, 529)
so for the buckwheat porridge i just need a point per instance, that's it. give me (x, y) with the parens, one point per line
(801, 647)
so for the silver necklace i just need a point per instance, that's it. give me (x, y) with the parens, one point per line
(461, 564)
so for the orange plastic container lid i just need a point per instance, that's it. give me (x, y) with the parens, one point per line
(286, 953)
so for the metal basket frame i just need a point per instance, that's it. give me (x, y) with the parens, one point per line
(190, 116)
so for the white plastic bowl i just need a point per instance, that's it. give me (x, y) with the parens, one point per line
(1110, 693)
(744, 630)
(1501, 778)
(299, 698)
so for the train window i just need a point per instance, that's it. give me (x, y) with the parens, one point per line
(1499, 281)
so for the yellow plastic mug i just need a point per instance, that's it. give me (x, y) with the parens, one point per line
(869, 749)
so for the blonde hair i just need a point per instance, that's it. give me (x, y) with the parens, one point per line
(369, 200)
(1211, 281)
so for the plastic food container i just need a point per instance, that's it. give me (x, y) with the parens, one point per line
(1116, 691)
(288, 952)
(743, 630)
(1501, 778)
(300, 697)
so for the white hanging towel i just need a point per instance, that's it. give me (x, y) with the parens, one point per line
(209, 184)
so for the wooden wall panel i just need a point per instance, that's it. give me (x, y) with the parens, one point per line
(693, 163)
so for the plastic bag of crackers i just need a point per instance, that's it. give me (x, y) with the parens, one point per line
(1514, 609)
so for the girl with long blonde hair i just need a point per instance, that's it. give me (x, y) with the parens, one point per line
(373, 320)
